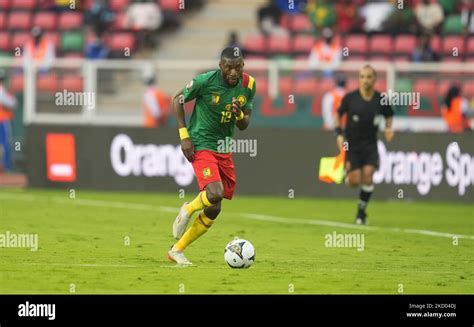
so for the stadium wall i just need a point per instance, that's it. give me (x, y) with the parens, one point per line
(284, 162)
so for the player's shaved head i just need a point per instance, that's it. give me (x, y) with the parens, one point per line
(367, 77)
(231, 65)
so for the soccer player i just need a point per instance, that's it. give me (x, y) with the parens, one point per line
(223, 99)
(364, 109)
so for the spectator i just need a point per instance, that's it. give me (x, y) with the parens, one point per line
(347, 18)
(423, 52)
(156, 105)
(100, 17)
(96, 49)
(326, 53)
(144, 18)
(269, 20)
(40, 50)
(322, 13)
(331, 102)
(467, 16)
(400, 21)
(7, 107)
(456, 111)
(429, 16)
(375, 14)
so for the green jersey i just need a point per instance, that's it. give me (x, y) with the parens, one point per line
(212, 120)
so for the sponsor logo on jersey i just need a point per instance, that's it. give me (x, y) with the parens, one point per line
(216, 98)
(242, 100)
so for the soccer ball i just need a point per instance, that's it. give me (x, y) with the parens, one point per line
(239, 253)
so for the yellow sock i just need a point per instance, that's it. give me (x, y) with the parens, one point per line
(198, 203)
(200, 226)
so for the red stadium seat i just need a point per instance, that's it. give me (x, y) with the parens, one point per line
(120, 41)
(48, 83)
(307, 86)
(470, 46)
(435, 43)
(20, 38)
(5, 40)
(54, 37)
(443, 87)
(402, 58)
(118, 5)
(450, 43)
(17, 83)
(23, 4)
(285, 85)
(303, 44)
(3, 20)
(70, 20)
(4, 4)
(380, 44)
(72, 83)
(19, 20)
(172, 5)
(468, 90)
(426, 87)
(119, 22)
(405, 44)
(352, 84)
(325, 85)
(359, 57)
(381, 85)
(300, 23)
(45, 20)
(262, 86)
(279, 44)
(285, 21)
(87, 4)
(356, 43)
(256, 43)
(385, 58)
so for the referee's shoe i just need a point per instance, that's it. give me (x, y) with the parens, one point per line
(361, 218)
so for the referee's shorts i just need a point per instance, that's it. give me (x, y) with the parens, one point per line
(363, 155)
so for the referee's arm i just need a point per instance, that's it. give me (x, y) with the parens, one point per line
(388, 132)
(343, 108)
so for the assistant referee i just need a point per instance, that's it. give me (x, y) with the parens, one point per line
(364, 111)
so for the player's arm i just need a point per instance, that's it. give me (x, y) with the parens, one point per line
(186, 143)
(388, 113)
(242, 115)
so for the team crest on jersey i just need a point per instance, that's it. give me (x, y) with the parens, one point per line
(216, 99)
(242, 100)
(206, 172)
(189, 85)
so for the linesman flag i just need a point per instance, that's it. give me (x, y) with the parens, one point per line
(331, 169)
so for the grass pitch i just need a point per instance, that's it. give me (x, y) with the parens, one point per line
(111, 242)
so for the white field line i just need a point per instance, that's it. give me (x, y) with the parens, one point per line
(260, 217)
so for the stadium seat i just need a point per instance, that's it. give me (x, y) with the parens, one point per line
(356, 44)
(255, 44)
(45, 20)
(19, 20)
(262, 86)
(119, 5)
(23, 4)
(17, 83)
(3, 20)
(300, 23)
(452, 24)
(4, 4)
(87, 4)
(384, 58)
(401, 58)
(70, 20)
(120, 41)
(381, 85)
(118, 23)
(404, 44)
(357, 57)
(55, 38)
(435, 43)
(72, 83)
(426, 87)
(279, 44)
(306, 86)
(72, 41)
(19, 39)
(443, 86)
(5, 40)
(172, 5)
(470, 47)
(352, 84)
(285, 85)
(468, 90)
(302, 44)
(48, 83)
(453, 42)
(325, 84)
(380, 44)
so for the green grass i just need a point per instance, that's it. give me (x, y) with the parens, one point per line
(81, 242)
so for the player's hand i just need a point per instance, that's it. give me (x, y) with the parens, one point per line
(389, 134)
(188, 149)
(340, 142)
(236, 109)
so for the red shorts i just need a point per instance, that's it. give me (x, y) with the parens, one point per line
(211, 167)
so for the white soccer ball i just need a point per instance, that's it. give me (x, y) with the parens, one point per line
(239, 253)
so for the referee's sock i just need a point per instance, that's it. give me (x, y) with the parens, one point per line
(364, 196)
